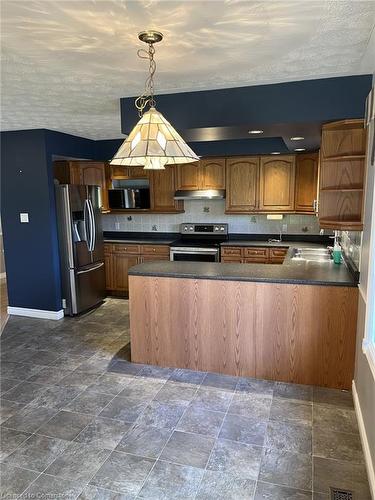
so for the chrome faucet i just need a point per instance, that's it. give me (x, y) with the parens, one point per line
(274, 240)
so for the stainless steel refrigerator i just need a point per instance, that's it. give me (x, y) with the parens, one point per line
(81, 247)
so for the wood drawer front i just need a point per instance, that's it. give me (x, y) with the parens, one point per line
(155, 250)
(124, 248)
(233, 260)
(256, 252)
(256, 260)
(231, 251)
(278, 252)
(108, 248)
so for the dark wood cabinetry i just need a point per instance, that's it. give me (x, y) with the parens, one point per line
(242, 184)
(205, 174)
(120, 257)
(256, 254)
(276, 183)
(342, 175)
(84, 172)
(306, 182)
(163, 187)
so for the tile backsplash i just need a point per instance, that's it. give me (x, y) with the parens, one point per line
(205, 211)
(351, 244)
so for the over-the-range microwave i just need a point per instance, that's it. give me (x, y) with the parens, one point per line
(122, 198)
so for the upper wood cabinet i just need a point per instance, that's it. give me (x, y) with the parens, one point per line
(342, 173)
(163, 187)
(276, 183)
(242, 184)
(86, 173)
(121, 172)
(188, 176)
(212, 173)
(306, 182)
(205, 174)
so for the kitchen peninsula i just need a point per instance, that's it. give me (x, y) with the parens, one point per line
(292, 322)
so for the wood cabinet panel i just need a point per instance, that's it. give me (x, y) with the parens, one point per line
(276, 183)
(306, 182)
(231, 251)
(155, 250)
(126, 248)
(108, 263)
(231, 259)
(277, 255)
(255, 252)
(241, 184)
(87, 173)
(163, 187)
(189, 176)
(212, 173)
(119, 172)
(121, 265)
(262, 330)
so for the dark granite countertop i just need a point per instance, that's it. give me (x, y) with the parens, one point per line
(304, 273)
(291, 271)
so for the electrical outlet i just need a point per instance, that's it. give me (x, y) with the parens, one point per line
(253, 219)
(117, 226)
(284, 228)
(206, 210)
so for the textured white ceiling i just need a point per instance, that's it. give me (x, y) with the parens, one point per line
(66, 63)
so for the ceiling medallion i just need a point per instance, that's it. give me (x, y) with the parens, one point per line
(153, 142)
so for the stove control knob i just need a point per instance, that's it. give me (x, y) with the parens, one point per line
(222, 228)
(191, 228)
(216, 228)
(185, 228)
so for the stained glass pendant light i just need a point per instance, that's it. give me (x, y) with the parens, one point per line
(153, 142)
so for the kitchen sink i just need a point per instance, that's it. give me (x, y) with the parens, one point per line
(311, 254)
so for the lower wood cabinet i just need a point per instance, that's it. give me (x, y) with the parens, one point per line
(248, 255)
(120, 257)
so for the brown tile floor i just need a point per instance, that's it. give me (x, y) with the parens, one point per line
(80, 421)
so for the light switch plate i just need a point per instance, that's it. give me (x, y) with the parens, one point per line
(24, 217)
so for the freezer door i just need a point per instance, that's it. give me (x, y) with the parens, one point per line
(89, 288)
(81, 225)
(96, 242)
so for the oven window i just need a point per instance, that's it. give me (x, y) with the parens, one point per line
(194, 257)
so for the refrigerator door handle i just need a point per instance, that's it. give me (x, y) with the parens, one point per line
(91, 269)
(87, 224)
(93, 229)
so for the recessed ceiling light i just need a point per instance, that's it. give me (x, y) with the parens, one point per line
(256, 131)
(300, 149)
(297, 138)
(275, 153)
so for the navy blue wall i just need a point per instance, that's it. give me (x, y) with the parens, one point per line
(326, 99)
(31, 250)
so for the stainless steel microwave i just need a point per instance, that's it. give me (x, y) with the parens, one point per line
(122, 198)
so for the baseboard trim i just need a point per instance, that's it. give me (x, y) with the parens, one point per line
(364, 440)
(36, 313)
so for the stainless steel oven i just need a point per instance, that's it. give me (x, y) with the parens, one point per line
(195, 254)
(199, 242)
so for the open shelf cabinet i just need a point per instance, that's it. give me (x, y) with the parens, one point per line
(342, 175)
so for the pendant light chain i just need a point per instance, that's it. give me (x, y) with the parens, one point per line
(147, 98)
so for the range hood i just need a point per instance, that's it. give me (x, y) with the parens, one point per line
(200, 194)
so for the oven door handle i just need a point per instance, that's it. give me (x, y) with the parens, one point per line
(195, 250)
